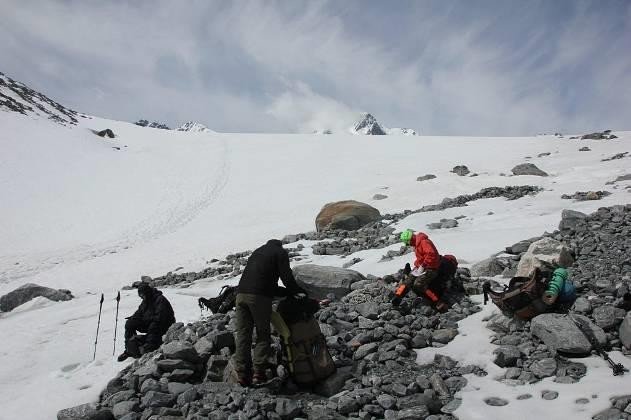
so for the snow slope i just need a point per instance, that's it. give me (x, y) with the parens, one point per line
(92, 215)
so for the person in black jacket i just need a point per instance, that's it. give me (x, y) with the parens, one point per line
(257, 287)
(153, 317)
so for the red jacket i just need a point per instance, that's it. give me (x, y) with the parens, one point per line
(426, 254)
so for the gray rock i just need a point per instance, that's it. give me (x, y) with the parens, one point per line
(287, 409)
(169, 365)
(180, 350)
(524, 397)
(320, 280)
(608, 317)
(157, 399)
(181, 375)
(426, 177)
(444, 335)
(204, 348)
(80, 412)
(449, 224)
(176, 388)
(125, 407)
(570, 219)
(506, 356)
(30, 291)
(386, 401)
(347, 404)
(333, 384)
(487, 268)
(369, 310)
(625, 331)
(582, 305)
(528, 169)
(608, 414)
(460, 170)
(495, 401)
(519, 247)
(216, 368)
(549, 395)
(546, 254)
(544, 368)
(560, 333)
(364, 350)
(379, 197)
(415, 413)
(346, 215)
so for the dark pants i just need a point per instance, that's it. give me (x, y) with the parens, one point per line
(422, 282)
(252, 311)
(136, 345)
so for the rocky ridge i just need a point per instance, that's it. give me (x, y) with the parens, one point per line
(17, 97)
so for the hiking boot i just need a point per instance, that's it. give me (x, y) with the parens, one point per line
(441, 306)
(123, 356)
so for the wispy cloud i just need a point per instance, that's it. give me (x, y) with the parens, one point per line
(444, 67)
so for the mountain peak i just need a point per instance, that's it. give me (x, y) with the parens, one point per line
(17, 97)
(368, 125)
(194, 127)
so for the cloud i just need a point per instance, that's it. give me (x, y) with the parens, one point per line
(300, 107)
(444, 67)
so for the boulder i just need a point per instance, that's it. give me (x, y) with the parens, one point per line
(30, 291)
(319, 280)
(460, 170)
(506, 356)
(80, 412)
(528, 169)
(181, 350)
(608, 317)
(625, 331)
(546, 254)
(346, 215)
(379, 197)
(426, 177)
(560, 333)
(487, 268)
(571, 218)
(106, 133)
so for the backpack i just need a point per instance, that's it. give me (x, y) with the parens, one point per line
(223, 303)
(521, 298)
(308, 357)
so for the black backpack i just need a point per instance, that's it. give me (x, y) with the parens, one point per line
(223, 303)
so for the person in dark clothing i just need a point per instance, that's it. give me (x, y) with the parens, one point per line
(257, 287)
(153, 318)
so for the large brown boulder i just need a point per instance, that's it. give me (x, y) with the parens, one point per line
(346, 215)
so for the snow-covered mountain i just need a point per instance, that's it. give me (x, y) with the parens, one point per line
(194, 127)
(368, 125)
(80, 215)
(17, 97)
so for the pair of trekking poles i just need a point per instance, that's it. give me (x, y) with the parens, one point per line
(98, 324)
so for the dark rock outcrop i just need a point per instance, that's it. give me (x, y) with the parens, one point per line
(30, 291)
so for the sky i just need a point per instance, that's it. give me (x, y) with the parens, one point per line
(444, 67)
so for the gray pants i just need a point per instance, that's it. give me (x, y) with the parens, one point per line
(252, 311)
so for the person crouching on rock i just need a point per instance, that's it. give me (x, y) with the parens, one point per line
(426, 268)
(257, 287)
(560, 293)
(153, 317)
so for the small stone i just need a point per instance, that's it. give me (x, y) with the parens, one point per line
(582, 401)
(549, 395)
(524, 397)
(495, 402)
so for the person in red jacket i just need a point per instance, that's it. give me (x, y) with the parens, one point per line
(426, 265)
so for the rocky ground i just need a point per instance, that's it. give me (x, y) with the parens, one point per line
(373, 343)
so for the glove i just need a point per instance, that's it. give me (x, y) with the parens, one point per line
(417, 272)
(549, 298)
(396, 301)
(407, 269)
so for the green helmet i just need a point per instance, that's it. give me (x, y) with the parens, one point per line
(406, 236)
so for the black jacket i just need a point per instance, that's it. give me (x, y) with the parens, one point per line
(156, 313)
(264, 267)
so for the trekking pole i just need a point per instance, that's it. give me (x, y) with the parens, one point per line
(97, 327)
(118, 299)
